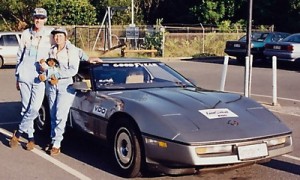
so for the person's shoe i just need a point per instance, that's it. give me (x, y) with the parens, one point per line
(54, 151)
(14, 141)
(30, 145)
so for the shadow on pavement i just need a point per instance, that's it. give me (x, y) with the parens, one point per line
(283, 166)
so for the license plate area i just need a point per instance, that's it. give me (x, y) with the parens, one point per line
(252, 151)
(236, 45)
(277, 47)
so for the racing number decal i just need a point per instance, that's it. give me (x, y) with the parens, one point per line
(101, 111)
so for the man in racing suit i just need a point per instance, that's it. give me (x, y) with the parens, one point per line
(35, 45)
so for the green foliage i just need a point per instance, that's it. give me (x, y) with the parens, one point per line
(154, 40)
(16, 14)
(121, 11)
(225, 26)
(70, 12)
(214, 11)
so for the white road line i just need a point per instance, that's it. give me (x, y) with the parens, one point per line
(60, 164)
(51, 159)
(287, 99)
(291, 157)
(291, 114)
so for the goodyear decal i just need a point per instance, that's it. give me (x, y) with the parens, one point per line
(100, 111)
(134, 64)
(217, 113)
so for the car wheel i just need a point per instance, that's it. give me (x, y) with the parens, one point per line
(42, 122)
(1, 62)
(127, 150)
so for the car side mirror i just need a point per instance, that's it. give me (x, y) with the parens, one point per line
(82, 86)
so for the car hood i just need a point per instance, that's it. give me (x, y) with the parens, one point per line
(188, 115)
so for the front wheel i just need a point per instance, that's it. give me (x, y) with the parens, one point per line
(42, 122)
(1, 62)
(127, 150)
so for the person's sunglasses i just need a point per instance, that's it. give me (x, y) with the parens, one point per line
(39, 17)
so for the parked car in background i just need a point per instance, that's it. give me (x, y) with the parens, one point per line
(286, 50)
(151, 116)
(238, 48)
(9, 44)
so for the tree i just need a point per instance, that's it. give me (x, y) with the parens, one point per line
(70, 12)
(17, 14)
(214, 11)
(120, 16)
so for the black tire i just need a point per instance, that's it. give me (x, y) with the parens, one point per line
(127, 150)
(42, 122)
(1, 62)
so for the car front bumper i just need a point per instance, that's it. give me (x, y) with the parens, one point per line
(181, 156)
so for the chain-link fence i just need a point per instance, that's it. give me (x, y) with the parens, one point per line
(177, 41)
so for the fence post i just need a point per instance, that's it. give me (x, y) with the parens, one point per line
(224, 73)
(274, 84)
(246, 90)
(250, 74)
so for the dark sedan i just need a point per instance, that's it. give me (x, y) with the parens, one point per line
(238, 48)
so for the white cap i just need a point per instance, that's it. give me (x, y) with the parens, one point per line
(40, 12)
(59, 30)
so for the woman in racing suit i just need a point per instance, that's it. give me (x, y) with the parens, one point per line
(61, 95)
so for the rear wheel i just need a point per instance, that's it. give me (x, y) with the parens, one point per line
(127, 149)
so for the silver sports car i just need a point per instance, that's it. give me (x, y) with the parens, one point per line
(153, 118)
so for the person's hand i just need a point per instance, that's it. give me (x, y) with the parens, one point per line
(53, 80)
(94, 60)
(42, 77)
(17, 86)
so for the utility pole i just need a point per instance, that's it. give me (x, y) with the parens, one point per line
(132, 13)
(248, 54)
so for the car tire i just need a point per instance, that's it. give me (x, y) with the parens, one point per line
(42, 122)
(126, 148)
(1, 62)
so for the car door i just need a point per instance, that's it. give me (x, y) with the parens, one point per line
(9, 44)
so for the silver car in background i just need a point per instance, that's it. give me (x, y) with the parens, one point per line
(287, 49)
(9, 44)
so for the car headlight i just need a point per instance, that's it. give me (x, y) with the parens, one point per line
(161, 144)
(277, 141)
(213, 149)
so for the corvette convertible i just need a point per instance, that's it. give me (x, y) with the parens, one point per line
(154, 119)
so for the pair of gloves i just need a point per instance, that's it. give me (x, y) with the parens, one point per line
(49, 70)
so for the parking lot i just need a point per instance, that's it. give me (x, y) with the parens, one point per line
(86, 158)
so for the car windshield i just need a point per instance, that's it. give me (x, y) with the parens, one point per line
(136, 75)
(292, 38)
(256, 36)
